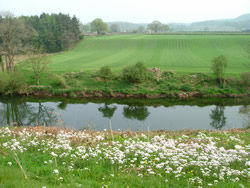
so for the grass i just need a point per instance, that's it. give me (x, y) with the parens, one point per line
(179, 53)
(53, 157)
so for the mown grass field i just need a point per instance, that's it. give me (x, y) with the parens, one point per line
(180, 53)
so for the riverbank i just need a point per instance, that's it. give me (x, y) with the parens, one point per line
(166, 85)
(53, 157)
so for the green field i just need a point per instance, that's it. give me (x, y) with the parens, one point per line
(180, 53)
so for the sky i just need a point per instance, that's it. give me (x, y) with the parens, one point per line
(136, 11)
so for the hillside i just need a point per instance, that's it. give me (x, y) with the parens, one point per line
(241, 23)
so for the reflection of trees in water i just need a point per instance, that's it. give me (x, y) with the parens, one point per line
(107, 110)
(136, 112)
(62, 105)
(218, 118)
(21, 113)
(43, 115)
(15, 113)
(245, 112)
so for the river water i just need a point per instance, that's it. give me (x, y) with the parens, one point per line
(126, 114)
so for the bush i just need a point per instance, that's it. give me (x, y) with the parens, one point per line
(245, 78)
(59, 81)
(12, 83)
(187, 87)
(219, 67)
(136, 73)
(105, 73)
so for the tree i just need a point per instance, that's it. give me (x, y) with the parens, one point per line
(140, 29)
(219, 67)
(136, 112)
(68, 39)
(15, 37)
(84, 28)
(38, 64)
(155, 26)
(1, 63)
(99, 26)
(218, 117)
(115, 28)
(245, 111)
(107, 110)
(164, 28)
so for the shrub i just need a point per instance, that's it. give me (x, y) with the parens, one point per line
(187, 87)
(12, 83)
(136, 73)
(245, 78)
(219, 67)
(168, 74)
(59, 81)
(105, 73)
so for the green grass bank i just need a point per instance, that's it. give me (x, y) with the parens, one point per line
(184, 62)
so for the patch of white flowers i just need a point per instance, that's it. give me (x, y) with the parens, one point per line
(158, 157)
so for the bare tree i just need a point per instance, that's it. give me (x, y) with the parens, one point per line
(15, 36)
(38, 63)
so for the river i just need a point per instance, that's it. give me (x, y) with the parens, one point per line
(125, 114)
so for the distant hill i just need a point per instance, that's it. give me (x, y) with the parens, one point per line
(241, 23)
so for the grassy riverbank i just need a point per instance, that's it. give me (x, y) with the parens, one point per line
(182, 64)
(167, 85)
(51, 157)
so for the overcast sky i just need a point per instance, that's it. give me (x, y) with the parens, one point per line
(137, 11)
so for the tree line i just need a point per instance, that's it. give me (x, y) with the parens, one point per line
(48, 32)
(100, 27)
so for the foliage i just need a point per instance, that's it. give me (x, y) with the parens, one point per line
(105, 73)
(107, 110)
(136, 112)
(136, 73)
(56, 32)
(15, 38)
(157, 26)
(219, 67)
(115, 28)
(84, 28)
(38, 64)
(245, 78)
(12, 83)
(218, 117)
(140, 29)
(59, 81)
(99, 26)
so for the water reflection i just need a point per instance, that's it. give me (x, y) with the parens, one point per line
(136, 112)
(218, 117)
(129, 114)
(245, 112)
(62, 105)
(18, 113)
(107, 110)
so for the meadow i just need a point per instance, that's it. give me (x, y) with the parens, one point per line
(53, 157)
(179, 53)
